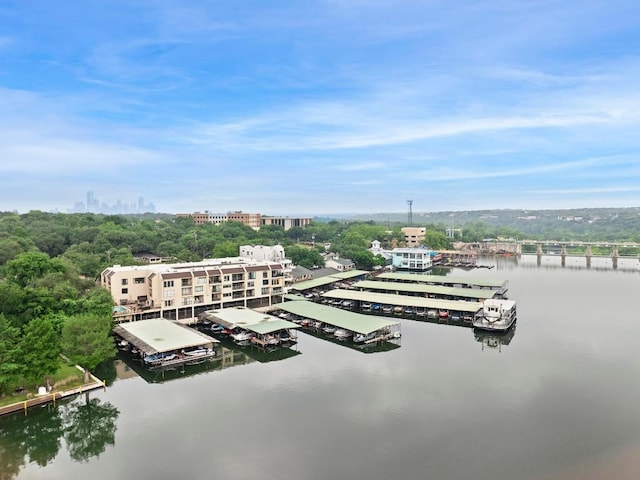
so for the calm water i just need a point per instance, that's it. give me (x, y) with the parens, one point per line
(558, 400)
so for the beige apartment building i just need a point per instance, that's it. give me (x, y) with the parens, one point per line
(183, 291)
(414, 236)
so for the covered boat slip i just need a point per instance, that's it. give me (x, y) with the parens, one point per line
(354, 322)
(421, 289)
(158, 336)
(262, 325)
(404, 301)
(328, 280)
(500, 286)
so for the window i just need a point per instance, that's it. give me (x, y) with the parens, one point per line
(226, 278)
(138, 280)
(125, 290)
(199, 289)
(168, 303)
(252, 275)
(265, 274)
(168, 294)
(186, 282)
(186, 291)
(168, 283)
(265, 291)
(201, 281)
(265, 282)
(125, 281)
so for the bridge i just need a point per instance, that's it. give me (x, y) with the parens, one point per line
(572, 248)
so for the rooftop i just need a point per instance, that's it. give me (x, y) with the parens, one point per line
(404, 300)
(240, 317)
(478, 293)
(159, 335)
(356, 322)
(442, 279)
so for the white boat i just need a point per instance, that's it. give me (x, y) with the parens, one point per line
(198, 352)
(242, 336)
(329, 329)
(342, 333)
(496, 315)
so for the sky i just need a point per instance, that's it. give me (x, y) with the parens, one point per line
(322, 106)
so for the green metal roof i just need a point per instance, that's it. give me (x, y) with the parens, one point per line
(442, 279)
(426, 288)
(159, 335)
(240, 317)
(313, 283)
(334, 277)
(356, 322)
(404, 300)
(349, 274)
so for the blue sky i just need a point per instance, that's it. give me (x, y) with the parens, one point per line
(316, 107)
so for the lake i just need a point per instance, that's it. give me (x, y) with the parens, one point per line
(559, 399)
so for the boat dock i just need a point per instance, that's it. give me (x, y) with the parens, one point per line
(426, 290)
(342, 325)
(162, 343)
(499, 286)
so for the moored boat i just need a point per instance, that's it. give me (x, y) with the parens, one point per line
(496, 315)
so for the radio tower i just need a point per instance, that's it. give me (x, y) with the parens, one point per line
(410, 202)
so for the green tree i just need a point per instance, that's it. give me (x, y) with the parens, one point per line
(40, 348)
(28, 266)
(226, 249)
(10, 358)
(86, 340)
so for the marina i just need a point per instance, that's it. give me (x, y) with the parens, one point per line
(413, 399)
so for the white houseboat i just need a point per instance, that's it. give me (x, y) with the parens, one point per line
(496, 315)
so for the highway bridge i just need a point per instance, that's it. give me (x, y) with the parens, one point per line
(573, 248)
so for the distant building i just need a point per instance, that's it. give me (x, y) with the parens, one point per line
(340, 264)
(377, 250)
(151, 258)
(416, 258)
(264, 253)
(414, 236)
(253, 220)
(287, 222)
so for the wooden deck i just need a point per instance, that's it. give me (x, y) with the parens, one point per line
(51, 397)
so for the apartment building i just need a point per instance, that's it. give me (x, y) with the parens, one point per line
(183, 291)
(414, 236)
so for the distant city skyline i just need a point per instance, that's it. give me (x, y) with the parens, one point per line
(324, 106)
(92, 204)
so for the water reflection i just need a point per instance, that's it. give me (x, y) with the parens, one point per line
(227, 354)
(494, 340)
(382, 346)
(87, 426)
